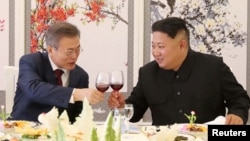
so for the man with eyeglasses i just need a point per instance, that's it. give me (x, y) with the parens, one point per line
(38, 87)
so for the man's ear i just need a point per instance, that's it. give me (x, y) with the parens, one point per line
(49, 49)
(183, 43)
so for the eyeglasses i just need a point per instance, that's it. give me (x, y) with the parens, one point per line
(70, 52)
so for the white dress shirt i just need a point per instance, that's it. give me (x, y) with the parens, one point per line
(64, 77)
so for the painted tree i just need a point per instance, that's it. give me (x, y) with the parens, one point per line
(208, 20)
(47, 12)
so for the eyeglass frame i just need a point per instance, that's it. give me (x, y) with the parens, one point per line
(70, 52)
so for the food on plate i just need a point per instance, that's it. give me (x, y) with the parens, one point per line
(181, 138)
(10, 139)
(14, 139)
(31, 131)
(192, 126)
(18, 123)
(196, 128)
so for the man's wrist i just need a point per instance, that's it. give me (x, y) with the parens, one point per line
(72, 97)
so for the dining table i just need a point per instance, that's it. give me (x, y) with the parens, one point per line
(135, 135)
(145, 131)
(142, 131)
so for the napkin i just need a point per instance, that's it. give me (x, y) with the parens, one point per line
(85, 121)
(49, 119)
(220, 120)
(83, 129)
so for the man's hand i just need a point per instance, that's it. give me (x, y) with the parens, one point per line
(116, 100)
(94, 96)
(232, 119)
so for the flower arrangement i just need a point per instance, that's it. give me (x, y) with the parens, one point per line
(83, 129)
(192, 118)
(3, 114)
(192, 126)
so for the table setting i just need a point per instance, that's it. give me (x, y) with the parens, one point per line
(116, 127)
(173, 133)
(182, 131)
(54, 128)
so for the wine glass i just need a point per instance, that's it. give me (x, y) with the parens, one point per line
(102, 81)
(128, 113)
(116, 81)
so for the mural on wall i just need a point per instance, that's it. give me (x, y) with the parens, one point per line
(2, 22)
(47, 12)
(4, 37)
(215, 27)
(104, 35)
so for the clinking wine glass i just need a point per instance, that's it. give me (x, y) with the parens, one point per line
(102, 81)
(128, 113)
(116, 81)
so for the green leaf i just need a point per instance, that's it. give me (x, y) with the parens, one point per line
(117, 128)
(60, 133)
(94, 136)
(188, 117)
(109, 131)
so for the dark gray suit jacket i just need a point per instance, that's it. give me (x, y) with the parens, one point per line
(37, 91)
(204, 84)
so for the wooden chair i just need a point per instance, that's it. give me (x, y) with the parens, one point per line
(11, 75)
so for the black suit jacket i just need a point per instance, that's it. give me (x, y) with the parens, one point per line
(37, 91)
(204, 84)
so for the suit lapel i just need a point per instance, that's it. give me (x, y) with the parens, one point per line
(73, 79)
(49, 73)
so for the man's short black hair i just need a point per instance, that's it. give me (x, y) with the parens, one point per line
(171, 26)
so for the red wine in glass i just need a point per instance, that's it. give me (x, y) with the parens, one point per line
(102, 81)
(116, 81)
(102, 87)
(116, 87)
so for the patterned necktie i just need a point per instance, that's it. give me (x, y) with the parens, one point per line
(58, 74)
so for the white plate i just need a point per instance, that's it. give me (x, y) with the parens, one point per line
(152, 130)
(151, 133)
(182, 128)
(2, 135)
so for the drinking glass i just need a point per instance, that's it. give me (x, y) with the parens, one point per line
(128, 113)
(119, 112)
(102, 81)
(116, 81)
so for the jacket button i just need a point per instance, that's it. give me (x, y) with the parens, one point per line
(177, 76)
(180, 111)
(178, 93)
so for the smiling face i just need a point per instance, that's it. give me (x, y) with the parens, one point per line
(169, 53)
(67, 52)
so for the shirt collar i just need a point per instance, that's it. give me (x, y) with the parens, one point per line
(187, 65)
(54, 66)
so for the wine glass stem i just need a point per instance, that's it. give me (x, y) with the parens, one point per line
(116, 93)
(126, 125)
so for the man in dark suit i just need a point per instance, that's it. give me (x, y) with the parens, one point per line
(181, 80)
(37, 89)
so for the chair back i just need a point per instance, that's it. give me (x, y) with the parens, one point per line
(11, 75)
